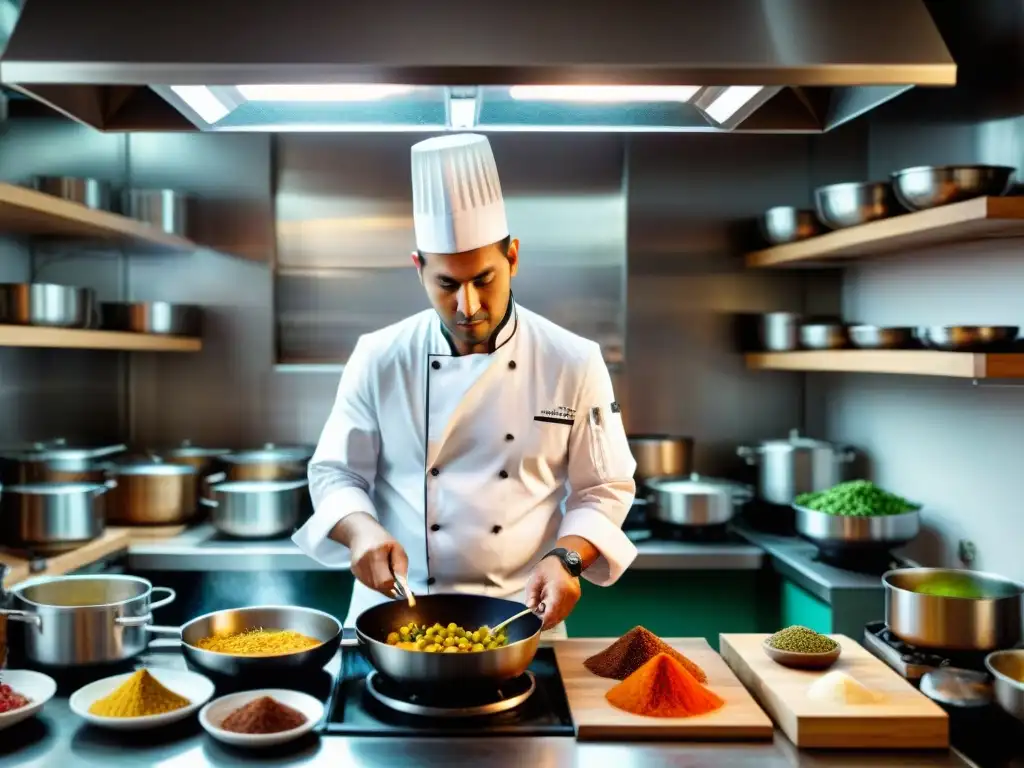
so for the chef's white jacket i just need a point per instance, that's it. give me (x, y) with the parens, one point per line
(476, 464)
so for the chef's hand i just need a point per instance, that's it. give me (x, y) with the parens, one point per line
(552, 585)
(376, 555)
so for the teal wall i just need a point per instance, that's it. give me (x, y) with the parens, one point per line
(797, 606)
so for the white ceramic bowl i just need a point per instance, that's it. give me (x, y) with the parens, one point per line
(194, 687)
(36, 686)
(214, 713)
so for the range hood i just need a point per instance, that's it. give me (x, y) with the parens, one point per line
(423, 65)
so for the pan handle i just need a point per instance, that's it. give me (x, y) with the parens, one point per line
(157, 629)
(349, 637)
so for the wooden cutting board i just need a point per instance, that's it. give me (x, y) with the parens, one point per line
(904, 718)
(595, 718)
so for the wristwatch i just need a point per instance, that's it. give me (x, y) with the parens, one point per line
(571, 561)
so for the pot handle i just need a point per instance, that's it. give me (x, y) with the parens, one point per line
(640, 501)
(216, 477)
(158, 629)
(108, 485)
(134, 621)
(171, 595)
(748, 454)
(742, 494)
(208, 502)
(25, 616)
(847, 454)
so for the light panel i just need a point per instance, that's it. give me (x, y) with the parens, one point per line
(605, 94)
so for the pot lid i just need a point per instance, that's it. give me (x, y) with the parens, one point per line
(59, 449)
(693, 485)
(186, 449)
(957, 687)
(52, 489)
(269, 453)
(151, 468)
(795, 440)
(260, 486)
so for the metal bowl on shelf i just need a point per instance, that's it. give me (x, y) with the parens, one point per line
(165, 209)
(1007, 670)
(882, 337)
(963, 338)
(159, 317)
(844, 533)
(92, 193)
(47, 304)
(852, 203)
(928, 186)
(786, 224)
(824, 336)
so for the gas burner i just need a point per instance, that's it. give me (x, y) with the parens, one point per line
(692, 533)
(911, 662)
(466, 703)
(868, 561)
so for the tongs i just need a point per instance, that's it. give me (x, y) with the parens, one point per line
(401, 589)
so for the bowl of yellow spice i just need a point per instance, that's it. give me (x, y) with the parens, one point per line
(142, 699)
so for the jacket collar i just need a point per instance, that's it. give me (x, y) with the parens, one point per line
(502, 335)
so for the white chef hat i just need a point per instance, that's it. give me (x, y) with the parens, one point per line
(456, 196)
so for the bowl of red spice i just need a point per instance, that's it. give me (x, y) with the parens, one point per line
(261, 718)
(22, 694)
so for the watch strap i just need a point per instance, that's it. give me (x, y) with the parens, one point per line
(571, 561)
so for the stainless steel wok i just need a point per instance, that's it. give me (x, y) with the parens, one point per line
(307, 621)
(419, 669)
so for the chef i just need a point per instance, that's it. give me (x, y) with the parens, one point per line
(476, 446)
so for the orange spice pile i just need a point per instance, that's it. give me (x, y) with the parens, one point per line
(663, 688)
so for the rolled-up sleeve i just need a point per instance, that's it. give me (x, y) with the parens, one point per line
(601, 470)
(344, 466)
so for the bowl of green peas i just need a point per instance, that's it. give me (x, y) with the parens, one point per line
(856, 514)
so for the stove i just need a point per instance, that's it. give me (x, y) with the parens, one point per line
(985, 734)
(872, 562)
(366, 704)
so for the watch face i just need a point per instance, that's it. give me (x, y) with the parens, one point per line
(574, 559)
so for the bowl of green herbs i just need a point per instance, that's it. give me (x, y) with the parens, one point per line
(801, 648)
(856, 514)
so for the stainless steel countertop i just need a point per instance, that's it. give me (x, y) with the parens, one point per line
(57, 737)
(794, 558)
(201, 549)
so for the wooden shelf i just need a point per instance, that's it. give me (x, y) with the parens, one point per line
(75, 338)
(964, 365)
(28, 212)
(983, 217)
(113, 540)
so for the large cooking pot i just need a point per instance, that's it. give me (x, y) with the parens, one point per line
(307, 621)
(152, 493)
(661, 456)
(844, 534)
(454, 670)
(790, 467)
(75, 620)
(55, 461)
(258, 509)
(271, 462)
(986, 618)
(49, 518)
(694, 500)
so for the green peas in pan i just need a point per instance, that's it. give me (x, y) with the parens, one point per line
(445, 638)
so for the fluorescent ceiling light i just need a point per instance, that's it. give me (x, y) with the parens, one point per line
(604, 93)
(462, 112)
(322, 92)
(202, 101)
(731, 101)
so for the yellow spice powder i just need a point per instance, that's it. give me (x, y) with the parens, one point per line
(138, 696)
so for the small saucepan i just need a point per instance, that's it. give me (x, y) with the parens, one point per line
(418, 669)
(307, 621)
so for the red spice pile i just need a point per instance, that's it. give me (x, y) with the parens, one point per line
(10, 699)
(263, 715)
(634, 649)
(663, 688)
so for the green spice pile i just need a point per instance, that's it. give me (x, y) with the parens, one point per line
(857, 498)
(797, 639)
